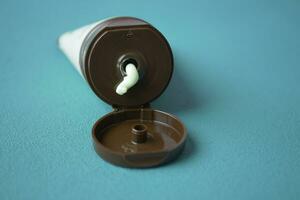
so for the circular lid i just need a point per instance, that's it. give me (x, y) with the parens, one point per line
(139, 137)
(119, 41)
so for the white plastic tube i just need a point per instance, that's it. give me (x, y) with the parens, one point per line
(70, 43)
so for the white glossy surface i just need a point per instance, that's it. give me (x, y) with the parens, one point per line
(131, 78)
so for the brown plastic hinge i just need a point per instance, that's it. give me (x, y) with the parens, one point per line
(117, 108)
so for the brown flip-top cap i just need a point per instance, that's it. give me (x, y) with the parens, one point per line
(119, 40)
(134, 135)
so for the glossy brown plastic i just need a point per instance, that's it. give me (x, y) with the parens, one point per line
(133, 135)
(116, 41)
(160, 139)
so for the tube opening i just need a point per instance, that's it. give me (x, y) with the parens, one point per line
(125, 62)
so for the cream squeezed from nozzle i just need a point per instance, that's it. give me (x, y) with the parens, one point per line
(131, 78)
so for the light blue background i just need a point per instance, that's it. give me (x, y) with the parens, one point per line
(236, 87)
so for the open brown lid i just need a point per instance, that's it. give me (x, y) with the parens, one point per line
(117, 41)
(138, 137)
